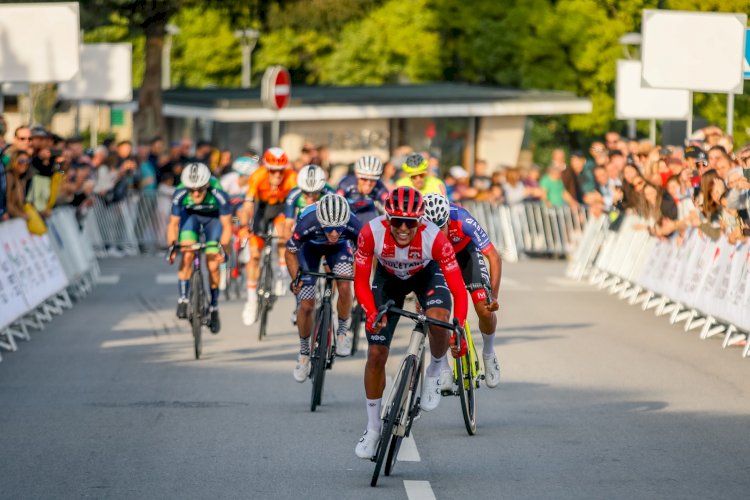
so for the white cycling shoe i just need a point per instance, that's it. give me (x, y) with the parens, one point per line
(368, 444)
(250, 312)
(302, 370)
(343, 346)
(491, 370)
(433, 387)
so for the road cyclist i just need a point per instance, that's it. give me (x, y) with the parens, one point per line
(263, 208)
(199, 206)
(364, 190)
(472, 244)
(412, 255)
(417, 176)
(327, 230)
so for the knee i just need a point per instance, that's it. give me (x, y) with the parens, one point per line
(212, 261)
(438, 313)
(377, 355)
(345, 288)
(306, 307)
(482, 312)
(187, 258)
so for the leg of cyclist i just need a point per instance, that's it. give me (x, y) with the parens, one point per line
(218, 231)
(383, 289)
(342, 263)
(435, 299)
(309, 258)
(187, 236)
(252, 268)
(283, 279)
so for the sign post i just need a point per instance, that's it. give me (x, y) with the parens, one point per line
(276, 89)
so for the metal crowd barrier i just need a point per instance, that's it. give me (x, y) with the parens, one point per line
(137, 224)
(693, 279)
(530, 228)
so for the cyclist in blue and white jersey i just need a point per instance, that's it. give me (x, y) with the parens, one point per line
(364, 190)
(311, 185)
(327, 229)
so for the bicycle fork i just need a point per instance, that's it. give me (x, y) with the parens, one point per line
(415, 350)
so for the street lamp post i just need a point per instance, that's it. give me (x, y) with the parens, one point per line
(248, 39)
(166, 53)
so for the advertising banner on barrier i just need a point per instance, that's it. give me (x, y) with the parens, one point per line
(12, 301)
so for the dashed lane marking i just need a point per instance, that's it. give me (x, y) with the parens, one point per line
(166, 279)
(108, 279)
(419, 490)
(408, 451)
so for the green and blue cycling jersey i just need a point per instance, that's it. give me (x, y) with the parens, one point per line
(201, 217)
(295, 202)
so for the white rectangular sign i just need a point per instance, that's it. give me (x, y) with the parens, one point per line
(106, 74)
(39, 42)
(634, 101)
(697, 51)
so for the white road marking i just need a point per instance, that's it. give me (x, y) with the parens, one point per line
(108, 279)
(419, 490)
(408, 451)
(166, 279)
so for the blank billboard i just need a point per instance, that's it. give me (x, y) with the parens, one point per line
(39, 42)
(634, 101)
(697, 51)
(106, 74)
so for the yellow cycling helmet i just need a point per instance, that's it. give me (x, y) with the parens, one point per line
(414, 164)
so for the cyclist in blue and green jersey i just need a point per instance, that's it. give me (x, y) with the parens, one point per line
(199, 205)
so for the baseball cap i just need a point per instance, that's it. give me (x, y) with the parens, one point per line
(693, 152)
(39, 131)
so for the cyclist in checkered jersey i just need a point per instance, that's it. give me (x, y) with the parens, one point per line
(412, 255)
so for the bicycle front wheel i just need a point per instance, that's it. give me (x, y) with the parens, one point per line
(397, 406)
(265, 298)
(467, 390)
(356, 327)
(318, 359)
(196, 311)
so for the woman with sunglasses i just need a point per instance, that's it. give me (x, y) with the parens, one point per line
(16, 183)
(472, 244)
(326, 229)
(412, 256)
(198, 204)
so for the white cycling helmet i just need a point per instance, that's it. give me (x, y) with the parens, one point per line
(195, 175)
(332, 210)
(369, 167)
(246, 165)
(311, 179)
(437, 208)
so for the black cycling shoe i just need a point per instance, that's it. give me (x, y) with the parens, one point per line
(214, 324)
(182, 310)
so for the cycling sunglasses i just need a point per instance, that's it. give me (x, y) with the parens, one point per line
(199, 190)
(410, 222)
(330, 229)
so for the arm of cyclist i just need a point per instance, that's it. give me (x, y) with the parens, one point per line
(496, 273)
(362, 270)
(292, 263)
(442, 252)
(294, 245)
(481, 239)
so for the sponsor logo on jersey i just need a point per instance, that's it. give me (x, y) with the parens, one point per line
(389, 250)
(434, 302)
(415, 253)
(447, 251)
(431, 292)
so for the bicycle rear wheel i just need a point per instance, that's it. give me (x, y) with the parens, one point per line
(196, 311)
(264, 302)
(467, 390)
(392, 416)
(318, 358)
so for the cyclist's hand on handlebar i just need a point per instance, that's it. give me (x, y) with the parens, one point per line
(493, 306)
(296, 286)
(456, 350)
(171, 253)
(373, 327)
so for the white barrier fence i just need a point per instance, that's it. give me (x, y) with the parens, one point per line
(695, 280)
(530, 228)
(39, 274)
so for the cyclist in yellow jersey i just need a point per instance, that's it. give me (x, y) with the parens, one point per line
(415, 168)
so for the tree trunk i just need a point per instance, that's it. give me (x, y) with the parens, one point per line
(149, 119)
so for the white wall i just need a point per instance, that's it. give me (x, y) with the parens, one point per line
(499, 140)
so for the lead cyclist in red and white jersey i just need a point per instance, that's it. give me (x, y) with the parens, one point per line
(412, 255)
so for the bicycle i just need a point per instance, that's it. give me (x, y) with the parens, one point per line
(198, 303)
(358, 317)
(467, 374)
(266, 293)
(323, 342)
(234, 268)
(401, 406)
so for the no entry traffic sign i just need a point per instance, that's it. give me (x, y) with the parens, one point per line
(276, 87)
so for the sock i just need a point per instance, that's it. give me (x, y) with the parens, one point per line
(435, 366)
(283, 270)
(184, 288)
(373, 414)
(489, 344)
(252, 292)
(344, 325)
(304, 346)
(214, 297)
(445, 365)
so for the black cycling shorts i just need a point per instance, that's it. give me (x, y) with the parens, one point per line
(473, 269)
(428, 285)
(263, 216)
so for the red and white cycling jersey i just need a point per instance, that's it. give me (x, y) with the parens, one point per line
(404, 262)
(428, 244)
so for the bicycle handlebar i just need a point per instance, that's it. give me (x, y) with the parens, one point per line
(334, 276)
(419, 318)
(193, 247)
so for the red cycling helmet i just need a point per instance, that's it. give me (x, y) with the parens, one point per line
(404, 202)
(275, 159)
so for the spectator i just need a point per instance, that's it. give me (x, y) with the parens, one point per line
(571, 176)
(462, 190)
(16, 188)
(558, 159)
(531, 181)
(514, 190)
(611, 138)
(480, 180)
(203, 151)
(147, 171)
(389, 173)
(715, 153)
(554, 189)
(156, 155)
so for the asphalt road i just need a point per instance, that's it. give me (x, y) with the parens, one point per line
(598, 400)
